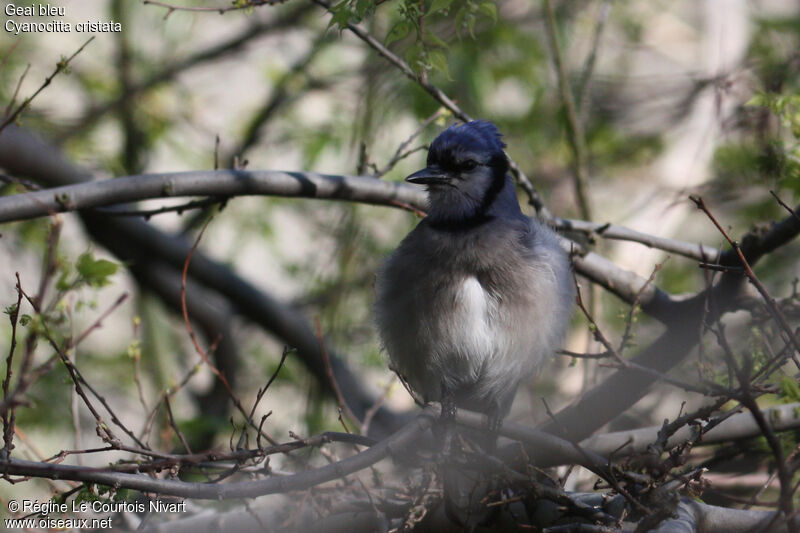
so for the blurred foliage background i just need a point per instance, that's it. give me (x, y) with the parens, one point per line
(674, 98)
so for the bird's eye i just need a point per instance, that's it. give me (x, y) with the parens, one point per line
(469, 164)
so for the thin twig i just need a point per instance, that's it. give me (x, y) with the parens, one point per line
(202, 353)
(443, 99)
(326, 359)
(772, 305)
(402, 151)
(785, 206)
(60, 67)
(99, 322)
(262, 391)
(626, 335)
(174, 425)
(8, 423)
(18, 86)
(147, 213)
(575, 133)
(403, 438)
(584, 88)
(377, 405)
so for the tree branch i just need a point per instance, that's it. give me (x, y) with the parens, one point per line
(208, 183)
(134, 240)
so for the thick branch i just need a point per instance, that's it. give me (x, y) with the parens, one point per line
(207, 183)
(23, 154)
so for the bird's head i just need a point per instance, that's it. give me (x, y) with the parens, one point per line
(465, 174)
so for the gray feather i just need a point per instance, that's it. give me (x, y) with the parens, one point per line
(477, 297)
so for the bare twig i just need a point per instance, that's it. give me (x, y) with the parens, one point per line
(691, 250)
(17, 87)
(201, 352)
(626, 335)
(147, 213)
(8, 425)
(61, 66)
(26, 184)
(403, 151)
(374, 409)
(263, 390)
(329, 371)
(772, 305)
(246, 489)
(783, 204)
(584, 88)
(575, 134)
(175, 427)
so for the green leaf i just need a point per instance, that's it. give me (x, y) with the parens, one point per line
(471, 25)
(93, 271)
(438, 61)
(758, 100)
(413, 57)
(63, 283)
(341, 15)
(364, 8)
(489, 9)
(790, 389)
(398, 31)
(439, 5)
(434, 41)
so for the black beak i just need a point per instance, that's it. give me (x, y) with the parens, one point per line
(428, 176)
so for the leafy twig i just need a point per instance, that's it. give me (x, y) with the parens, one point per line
(443, 99)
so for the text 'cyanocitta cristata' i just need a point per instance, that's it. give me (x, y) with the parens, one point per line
(478, 296)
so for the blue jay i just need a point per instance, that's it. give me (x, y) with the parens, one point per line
(478, 296)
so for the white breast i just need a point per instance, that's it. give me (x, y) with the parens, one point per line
(470, 335)
(474, 306)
